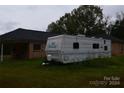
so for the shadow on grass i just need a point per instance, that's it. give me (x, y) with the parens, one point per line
(94, 63)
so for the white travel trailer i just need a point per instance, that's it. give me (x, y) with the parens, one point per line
(69, 48)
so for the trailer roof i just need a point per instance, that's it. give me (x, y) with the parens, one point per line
(83, 36)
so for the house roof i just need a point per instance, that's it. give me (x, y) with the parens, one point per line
(112, 38)
(109, 37)
(115, 39)
(24, 35)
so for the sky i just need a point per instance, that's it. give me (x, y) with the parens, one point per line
(38, 17)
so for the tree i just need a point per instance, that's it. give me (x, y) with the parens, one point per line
(117, 29)
(86, 19)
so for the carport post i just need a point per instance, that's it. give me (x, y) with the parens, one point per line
(1, 52)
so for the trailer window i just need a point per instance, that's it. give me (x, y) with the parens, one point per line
(95, 46)
(75, 45)
(105, 48)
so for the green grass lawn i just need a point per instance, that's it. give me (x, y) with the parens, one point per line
(30, 73)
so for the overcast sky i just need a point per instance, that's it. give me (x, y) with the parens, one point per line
(38, 17)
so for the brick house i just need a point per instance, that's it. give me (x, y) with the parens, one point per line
(24, 43)
(117, 46)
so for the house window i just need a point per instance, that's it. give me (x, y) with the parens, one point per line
(36, 46)
(95, 46)
(105, 48)
(75, 45)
